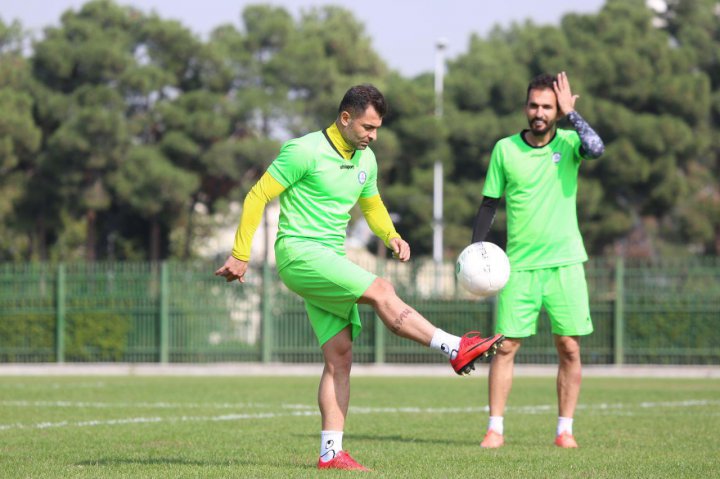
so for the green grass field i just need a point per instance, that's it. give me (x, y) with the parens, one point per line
(247, 427)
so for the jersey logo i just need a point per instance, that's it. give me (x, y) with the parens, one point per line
(362, 176)
(556, 157)
(347, 167)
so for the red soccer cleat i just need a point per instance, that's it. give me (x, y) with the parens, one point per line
(342, 461)
(565, 440)
(472, 346)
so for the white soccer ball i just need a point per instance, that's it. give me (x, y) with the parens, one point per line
(482, 269)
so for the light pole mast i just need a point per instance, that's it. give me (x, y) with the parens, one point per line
(440, 46)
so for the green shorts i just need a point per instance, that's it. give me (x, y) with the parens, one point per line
(562, 290)
(329, 283)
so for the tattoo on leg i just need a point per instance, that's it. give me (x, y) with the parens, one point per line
(399, 321)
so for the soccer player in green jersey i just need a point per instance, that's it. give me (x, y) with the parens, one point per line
(319, 178)
(537, 170)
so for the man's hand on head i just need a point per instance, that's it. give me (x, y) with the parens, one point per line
(566, 100)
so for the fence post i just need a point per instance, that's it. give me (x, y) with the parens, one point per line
(60, 315)
(164, 314)
(379, 357)
(267, 319)
(619, 319)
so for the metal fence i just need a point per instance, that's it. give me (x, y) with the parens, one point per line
(664, 312)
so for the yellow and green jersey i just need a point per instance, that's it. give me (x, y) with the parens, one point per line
(321, 187)
(540, 185)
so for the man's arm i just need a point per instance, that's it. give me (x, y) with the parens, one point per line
(381, 224)
(264, 191)
(260, 195)
(378, 218)
(484, 218)
(592, 144)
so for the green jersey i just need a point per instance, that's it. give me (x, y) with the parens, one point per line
(541, 194)
(320, 188)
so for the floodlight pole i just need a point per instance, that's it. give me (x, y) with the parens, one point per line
(440, 46)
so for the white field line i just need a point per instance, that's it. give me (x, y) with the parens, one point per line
(138, 405)
(356, 409)
(145, 420)
(625, 409)
(72, 386)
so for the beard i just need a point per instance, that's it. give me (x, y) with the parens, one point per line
(540, 129)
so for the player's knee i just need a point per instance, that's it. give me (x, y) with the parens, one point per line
(339, 360)
(339, 365)
(570, 355)
(381, 290)
(508, 348)
(568, 348)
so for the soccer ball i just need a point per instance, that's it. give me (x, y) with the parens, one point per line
(482, 269)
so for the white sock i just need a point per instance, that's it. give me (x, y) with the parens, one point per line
(564, 425)
(496, 424)
(445, 343)
(330, 444)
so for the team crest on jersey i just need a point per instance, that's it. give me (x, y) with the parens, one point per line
(362, 176)
(556, 157)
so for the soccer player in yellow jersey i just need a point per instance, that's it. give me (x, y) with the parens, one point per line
(319, 178)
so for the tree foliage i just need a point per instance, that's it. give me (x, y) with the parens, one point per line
(119, 127)
(642, 87)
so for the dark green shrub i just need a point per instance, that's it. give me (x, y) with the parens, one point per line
(27, 337)
(96, 336)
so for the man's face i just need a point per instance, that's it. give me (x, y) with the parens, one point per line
(541, 110)
(360, 130)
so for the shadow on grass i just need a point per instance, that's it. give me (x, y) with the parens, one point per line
(163, 461)
(152, 462)
(393, 438)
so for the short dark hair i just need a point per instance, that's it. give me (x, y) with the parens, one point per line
(358, 98)
(540, 82)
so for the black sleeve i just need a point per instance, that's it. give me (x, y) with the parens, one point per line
(484, 218)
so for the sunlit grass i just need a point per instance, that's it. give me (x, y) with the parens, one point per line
(219, 427)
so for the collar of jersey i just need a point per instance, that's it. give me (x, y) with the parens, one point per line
(338, 142)
(522, 137)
